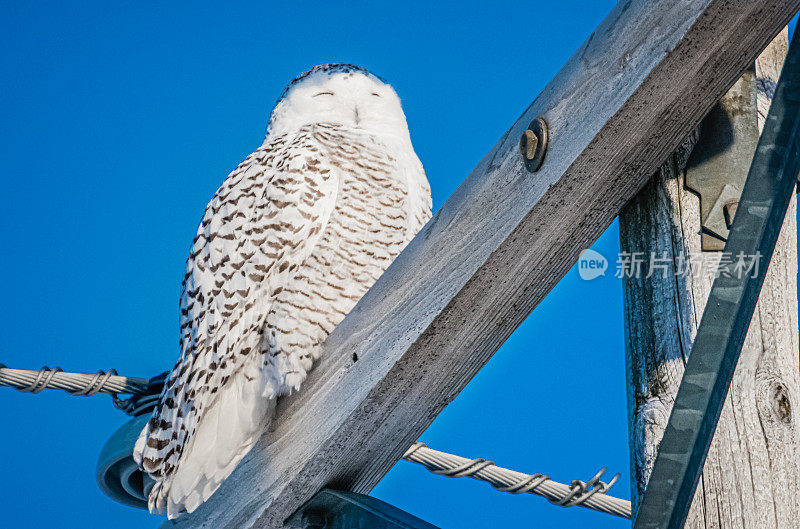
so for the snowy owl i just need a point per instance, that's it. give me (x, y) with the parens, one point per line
(290, 242)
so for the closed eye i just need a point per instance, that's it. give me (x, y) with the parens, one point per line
(323, 94)
(376, 94)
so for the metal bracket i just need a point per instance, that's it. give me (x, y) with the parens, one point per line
(731, 303)
(718, 166)
(334, 509)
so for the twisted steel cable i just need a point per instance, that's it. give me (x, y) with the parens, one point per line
(79, 384)
(83, 385)
(590, 494)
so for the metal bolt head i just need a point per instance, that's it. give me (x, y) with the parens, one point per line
(533, 144)
(730, 212)
(528, 143)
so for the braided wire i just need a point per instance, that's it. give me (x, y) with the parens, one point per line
(82, 385)
(79, 384)
(590, 494)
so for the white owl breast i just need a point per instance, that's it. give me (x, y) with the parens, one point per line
(374, 217)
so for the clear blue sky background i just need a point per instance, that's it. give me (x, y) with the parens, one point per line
(119, 123)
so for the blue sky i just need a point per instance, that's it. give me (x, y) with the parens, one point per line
(119, 123)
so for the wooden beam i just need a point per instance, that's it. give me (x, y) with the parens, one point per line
(621, 104)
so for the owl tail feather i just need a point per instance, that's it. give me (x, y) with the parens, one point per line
(224, 435)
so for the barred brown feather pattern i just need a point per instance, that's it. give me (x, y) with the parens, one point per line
(365, 233)
(290, 242)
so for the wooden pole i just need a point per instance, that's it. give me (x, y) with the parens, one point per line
(641, 82)
(750, 475)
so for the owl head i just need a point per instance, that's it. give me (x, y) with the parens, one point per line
(343, 94)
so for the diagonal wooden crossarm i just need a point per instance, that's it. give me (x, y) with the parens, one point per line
(640, 83)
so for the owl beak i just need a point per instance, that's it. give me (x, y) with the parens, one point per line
(355, 116)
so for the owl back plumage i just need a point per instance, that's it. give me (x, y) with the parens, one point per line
(289, 243)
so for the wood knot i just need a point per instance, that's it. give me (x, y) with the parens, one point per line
(781, 403)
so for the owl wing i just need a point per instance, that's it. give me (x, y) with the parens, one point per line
(260, 227)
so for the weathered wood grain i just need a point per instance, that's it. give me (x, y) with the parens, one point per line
(750, 475)
(620, 105)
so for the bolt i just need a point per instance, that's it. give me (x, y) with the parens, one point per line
(730, 212)
(529, 143)
(533, 144)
